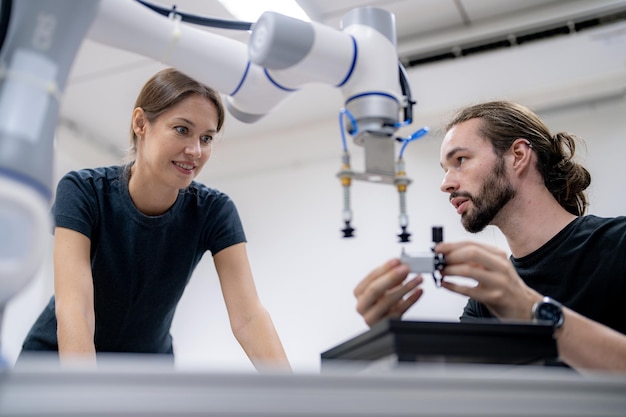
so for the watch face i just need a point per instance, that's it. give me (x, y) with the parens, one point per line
(550, 312)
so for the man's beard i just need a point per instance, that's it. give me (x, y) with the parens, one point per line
(495, 192)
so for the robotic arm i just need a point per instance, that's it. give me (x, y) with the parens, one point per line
(41, 38)
(361, 60)
(39, 42)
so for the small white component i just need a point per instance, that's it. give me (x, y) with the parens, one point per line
(419, 262)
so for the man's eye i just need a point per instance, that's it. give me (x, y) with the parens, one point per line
(206, 139)
(460, 159)
(181, 130)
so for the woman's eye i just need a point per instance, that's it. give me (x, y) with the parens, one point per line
(181, 130)
(206, 139)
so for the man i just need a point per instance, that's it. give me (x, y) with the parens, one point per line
(503, 167)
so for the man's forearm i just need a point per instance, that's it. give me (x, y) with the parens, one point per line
(588, 345)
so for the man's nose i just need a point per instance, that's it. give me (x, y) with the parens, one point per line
(449, 183)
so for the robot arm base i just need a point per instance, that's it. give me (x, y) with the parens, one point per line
(24, 226)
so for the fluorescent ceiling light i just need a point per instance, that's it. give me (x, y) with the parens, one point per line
(250, 11)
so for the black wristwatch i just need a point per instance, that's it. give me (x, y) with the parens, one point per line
(549, 310)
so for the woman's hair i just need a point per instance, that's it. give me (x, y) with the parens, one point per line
(166, 89)
(503, 122)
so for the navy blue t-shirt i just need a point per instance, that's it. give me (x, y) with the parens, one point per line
(140, 264)
(583, 267)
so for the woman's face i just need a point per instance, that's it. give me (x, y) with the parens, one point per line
(174, 148)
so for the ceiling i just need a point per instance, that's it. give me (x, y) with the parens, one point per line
(104, 81)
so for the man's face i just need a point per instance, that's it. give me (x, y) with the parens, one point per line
(475, 177)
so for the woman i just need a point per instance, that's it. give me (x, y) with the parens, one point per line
(128, 238)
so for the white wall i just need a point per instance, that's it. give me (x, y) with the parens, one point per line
(290, 200)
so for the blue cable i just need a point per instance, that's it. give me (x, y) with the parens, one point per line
(415, 136)
(402, 124)
(342, 113)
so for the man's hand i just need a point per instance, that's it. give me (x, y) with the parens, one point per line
(499, 286)
(384, 294)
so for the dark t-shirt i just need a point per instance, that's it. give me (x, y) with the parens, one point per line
(583, 267)
(140, 264)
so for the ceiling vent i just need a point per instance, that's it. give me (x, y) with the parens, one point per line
(487, 44)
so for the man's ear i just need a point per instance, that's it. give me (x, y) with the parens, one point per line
(522, 151)
(139, 122)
